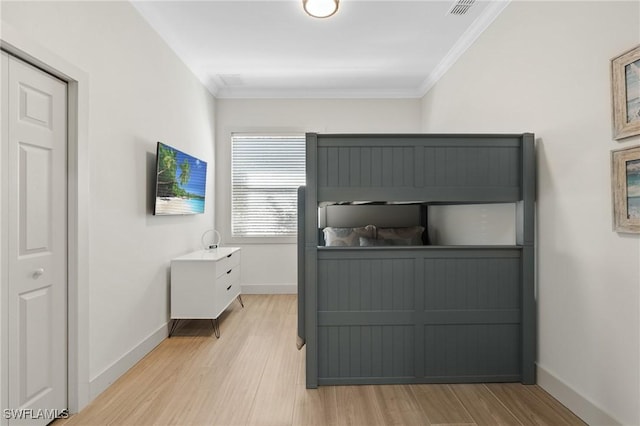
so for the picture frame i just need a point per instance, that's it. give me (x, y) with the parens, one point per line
(625, 90)
(625, 178)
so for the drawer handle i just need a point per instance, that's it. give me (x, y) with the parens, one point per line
(229, 255)
(229, 288)
(229, 271)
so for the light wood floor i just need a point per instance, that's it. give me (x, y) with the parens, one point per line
(254, 375)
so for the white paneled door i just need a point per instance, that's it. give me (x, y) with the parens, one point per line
(35, 113)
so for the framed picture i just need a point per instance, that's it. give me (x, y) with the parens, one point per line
(625, 174)
(625, 87)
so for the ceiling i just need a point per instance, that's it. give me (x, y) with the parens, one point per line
(272, 49)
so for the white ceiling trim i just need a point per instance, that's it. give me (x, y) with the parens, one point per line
(463, 44)
(240, 93)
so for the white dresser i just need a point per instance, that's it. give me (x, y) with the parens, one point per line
(204, 283)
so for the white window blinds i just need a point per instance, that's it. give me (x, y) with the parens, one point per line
(266, 174)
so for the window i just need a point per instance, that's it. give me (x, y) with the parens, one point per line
(265, 176)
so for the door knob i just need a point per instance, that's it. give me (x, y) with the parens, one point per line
(37, 273)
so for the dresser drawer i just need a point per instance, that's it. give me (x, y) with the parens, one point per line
(227, 289)
(227, 279)
(224, 265)
(228, 293)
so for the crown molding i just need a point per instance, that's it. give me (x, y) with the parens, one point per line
(306, 93)
(492, 11)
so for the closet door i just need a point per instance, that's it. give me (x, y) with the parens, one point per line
(34, 112)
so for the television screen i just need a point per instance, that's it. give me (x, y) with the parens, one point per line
(180, 182)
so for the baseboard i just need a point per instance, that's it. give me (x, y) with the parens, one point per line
(573, 400)
(269, 288)
(103, 380)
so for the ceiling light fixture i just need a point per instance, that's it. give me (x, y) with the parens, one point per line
(320, 8)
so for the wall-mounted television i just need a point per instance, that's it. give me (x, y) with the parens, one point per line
(181, 182)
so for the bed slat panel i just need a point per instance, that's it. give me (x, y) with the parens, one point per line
(471, 284)
(366, 285)
(470, 350)
(367, 351)
(454, 171)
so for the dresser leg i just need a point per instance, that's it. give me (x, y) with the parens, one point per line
(240, 300)
(216, 327)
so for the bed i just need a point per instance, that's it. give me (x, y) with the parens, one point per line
(380, 304)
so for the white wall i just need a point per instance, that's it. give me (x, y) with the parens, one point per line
(544, 67)
(139, 93)
(272, 267)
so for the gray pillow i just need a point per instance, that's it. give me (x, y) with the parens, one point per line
(347, 237)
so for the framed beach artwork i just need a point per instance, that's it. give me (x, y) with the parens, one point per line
(181, 182)
(625, 88)
(625, 171)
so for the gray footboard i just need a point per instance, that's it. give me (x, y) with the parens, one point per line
(424, 315)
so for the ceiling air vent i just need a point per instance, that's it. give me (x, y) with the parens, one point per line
(460, 7)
